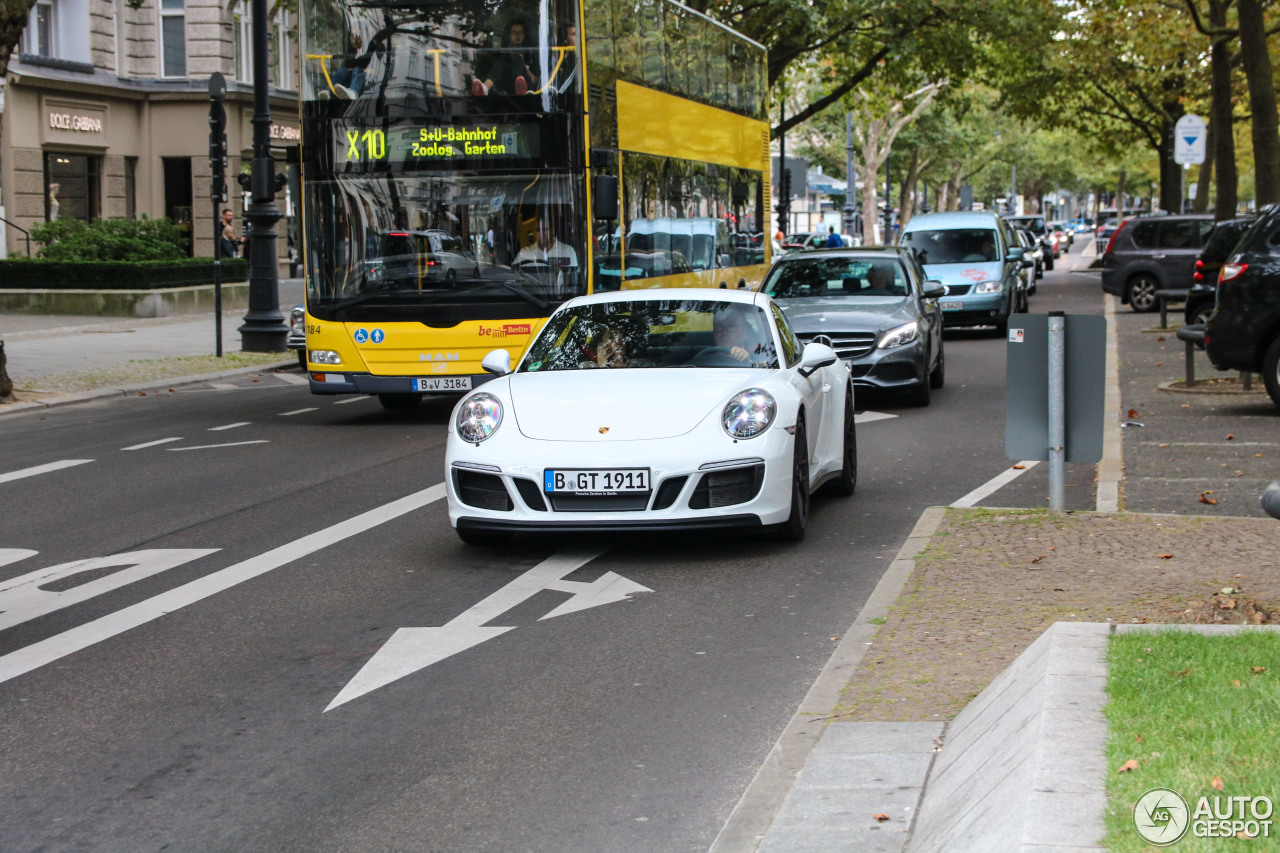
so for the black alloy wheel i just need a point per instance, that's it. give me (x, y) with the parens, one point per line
(1271, 371)
(793, 528)
(938, 376)
(847, 482)
(1142, 293)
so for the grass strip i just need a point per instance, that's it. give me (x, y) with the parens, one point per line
(149, 370)
(1199, 714)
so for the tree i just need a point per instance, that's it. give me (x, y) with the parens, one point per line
(1220, 136)
(1256, 60)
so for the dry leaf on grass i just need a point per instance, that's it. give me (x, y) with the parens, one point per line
(1258, 670)
(1131, 764)
(1217, 783)
(1178, 673)
(1235, 682)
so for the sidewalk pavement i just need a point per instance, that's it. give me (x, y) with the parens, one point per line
(831, 784)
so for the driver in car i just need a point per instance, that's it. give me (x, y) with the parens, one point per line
(731, 333)
(547, 248)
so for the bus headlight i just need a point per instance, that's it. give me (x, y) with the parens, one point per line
(989, 287)
(479, 417)
(324, 356)
(749, 413)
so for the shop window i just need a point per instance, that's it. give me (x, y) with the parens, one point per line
(173, 38)
(177, 191)
(73, 186)
(285, 47)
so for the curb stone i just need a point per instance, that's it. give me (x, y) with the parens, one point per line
(125, 390)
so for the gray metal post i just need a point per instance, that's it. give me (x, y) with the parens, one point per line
(850, 180)
(1057, 410)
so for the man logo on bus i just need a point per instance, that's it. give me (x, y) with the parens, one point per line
(507, 329)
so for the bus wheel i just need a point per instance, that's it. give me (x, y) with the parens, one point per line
(399, 402)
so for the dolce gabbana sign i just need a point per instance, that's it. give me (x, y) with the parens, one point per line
(77, 124)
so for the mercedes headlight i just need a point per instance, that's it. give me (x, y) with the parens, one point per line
(749, 413)
(989, 287)
(479, 417)
(298, 320)
(896, 337)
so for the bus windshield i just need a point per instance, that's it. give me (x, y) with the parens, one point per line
(444, 240)
(418, 56)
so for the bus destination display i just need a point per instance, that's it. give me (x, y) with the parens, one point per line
(451, 143)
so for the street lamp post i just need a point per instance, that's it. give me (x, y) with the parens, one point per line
(264, 329)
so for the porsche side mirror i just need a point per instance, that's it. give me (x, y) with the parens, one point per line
(815, 357)
(497, 362)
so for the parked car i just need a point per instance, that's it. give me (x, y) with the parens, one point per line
(804, 240)
(652, 411)
(1034, 252)
(975, 257)
(1036, 225)
(297, 337)
(1244, 331)
(1204, 289)
(1150, 254)
(874, 307)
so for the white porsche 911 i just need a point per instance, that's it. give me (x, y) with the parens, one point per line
(653, 410)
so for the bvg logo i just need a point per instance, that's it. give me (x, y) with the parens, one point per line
(505, 330)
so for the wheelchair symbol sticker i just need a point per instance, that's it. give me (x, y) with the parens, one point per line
(361, 335)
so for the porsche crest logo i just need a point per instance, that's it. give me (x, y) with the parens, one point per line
(603, 430)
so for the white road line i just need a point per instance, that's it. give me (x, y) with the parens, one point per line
(995, 484)
(214, 446)
(59, 646)
(153, 443)
(298, 412)
(42, 469)
(869, 417)
(229, 426)
(290, 379)
(349, 400)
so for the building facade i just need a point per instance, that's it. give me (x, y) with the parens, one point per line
(106, 108)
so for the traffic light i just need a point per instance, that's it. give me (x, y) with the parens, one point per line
(217, 138)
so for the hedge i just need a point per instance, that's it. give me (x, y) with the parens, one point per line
(24, 274)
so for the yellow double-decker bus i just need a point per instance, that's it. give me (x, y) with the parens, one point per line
(467, 166)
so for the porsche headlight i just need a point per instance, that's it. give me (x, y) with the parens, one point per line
(749, 413)
(479, 417)
(989, 287)
(896, 337)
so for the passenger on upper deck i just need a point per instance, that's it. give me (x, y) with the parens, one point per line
(511, 71)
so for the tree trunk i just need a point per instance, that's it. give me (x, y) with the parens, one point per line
(6, 384)
(1171, 173)
(1256, 60)
(942, 196)
(907, 194)
(1119, 202)
(1221, 127)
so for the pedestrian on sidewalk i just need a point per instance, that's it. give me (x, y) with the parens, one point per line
(229, 242)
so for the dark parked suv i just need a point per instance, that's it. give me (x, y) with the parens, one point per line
(1244, 331)
(1150, 254)
(1204, 290)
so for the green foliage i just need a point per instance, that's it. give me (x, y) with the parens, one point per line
(111, 240)
(32, 274)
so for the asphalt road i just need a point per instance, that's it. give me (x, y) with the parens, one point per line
(177, 699)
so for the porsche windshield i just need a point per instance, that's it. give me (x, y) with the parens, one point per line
(654, 333)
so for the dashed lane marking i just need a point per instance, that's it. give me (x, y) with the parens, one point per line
(42, 469)
(229, 426)
(215, 446)
(349, 400)
(298, 412)
(153, 443)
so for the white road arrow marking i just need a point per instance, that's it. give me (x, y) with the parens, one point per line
(13, 555)
(22, 599)
(412, 649)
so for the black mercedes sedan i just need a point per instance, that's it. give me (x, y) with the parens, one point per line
(874, 307)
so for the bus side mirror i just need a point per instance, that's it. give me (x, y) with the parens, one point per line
(604, 197)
